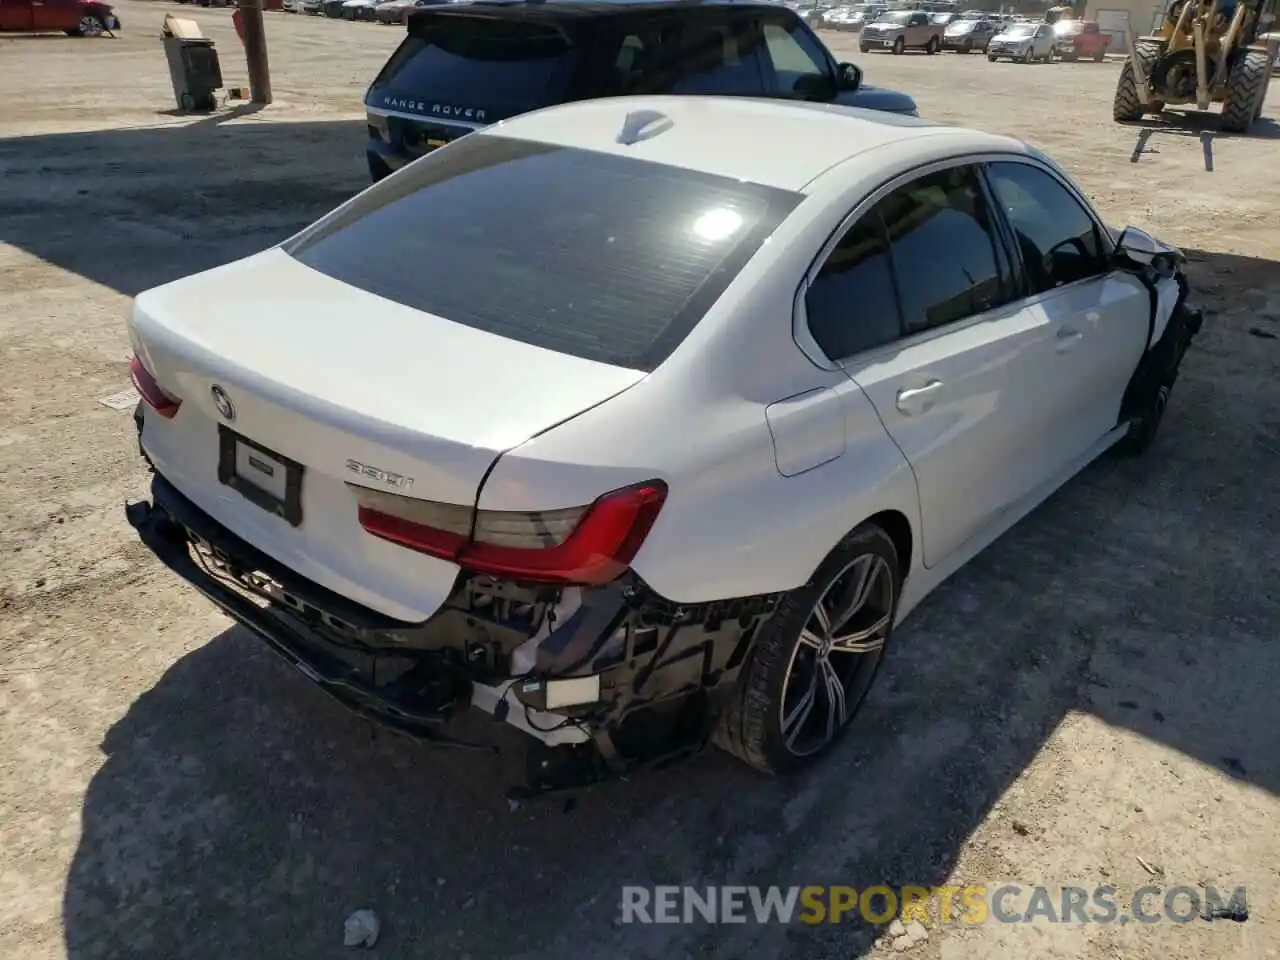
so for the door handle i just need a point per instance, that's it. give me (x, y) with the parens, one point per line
(1067, 340)
(918, 399)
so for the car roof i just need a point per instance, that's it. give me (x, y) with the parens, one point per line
(779, 143)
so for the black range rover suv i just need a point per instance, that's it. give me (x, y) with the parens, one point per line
(465, 65)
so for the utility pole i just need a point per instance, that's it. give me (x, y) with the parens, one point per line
(255, 51)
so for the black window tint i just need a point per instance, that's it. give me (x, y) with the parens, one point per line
(944, 249)
(702, 55)
(1058, 239)
(851, 304)
(490, 63)
(603, 257)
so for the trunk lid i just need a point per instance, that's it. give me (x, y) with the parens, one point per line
(354, 388)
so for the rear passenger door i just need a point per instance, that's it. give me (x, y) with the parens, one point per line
(917, 302)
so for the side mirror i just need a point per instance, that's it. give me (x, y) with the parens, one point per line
(1137, 246)
(848, 77)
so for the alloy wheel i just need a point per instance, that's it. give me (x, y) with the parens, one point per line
(90, 26)
(836, 655)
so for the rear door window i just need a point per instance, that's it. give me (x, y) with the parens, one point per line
(710, 53)
(945, 247)
(852, 304)
(607, 258)
(489, 64)
(799, 64)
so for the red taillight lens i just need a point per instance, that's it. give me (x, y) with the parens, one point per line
(586, 545)
(159, 401)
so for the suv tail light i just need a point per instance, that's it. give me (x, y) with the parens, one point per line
(583, 545)
(150, 391)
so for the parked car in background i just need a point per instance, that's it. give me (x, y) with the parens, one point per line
(314, 7)
(865, 15)
(1022, 41)
(964, 35)
(77, 18)
(397, 11)
(841, 18)
(901, 30)
(463, 66)
(333, 8)
(358, 9)
(1080, 40)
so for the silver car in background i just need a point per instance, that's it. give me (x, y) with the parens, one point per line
(1023, 42)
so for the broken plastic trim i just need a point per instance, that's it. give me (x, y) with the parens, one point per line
(663, 667)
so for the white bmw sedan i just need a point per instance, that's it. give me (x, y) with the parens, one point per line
(637, 430)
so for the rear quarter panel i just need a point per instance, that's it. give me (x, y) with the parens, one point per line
(732, 525)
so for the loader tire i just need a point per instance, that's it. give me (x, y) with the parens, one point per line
(1127, 108)
(1246, 89)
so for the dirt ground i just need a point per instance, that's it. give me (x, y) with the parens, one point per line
(1091, 700)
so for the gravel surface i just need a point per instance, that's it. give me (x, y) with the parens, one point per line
(1086, 703)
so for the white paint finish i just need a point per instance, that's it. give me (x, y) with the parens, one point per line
(1097, 342)
(322, 373)
(771, 142)
(807, 430)
(986, 406)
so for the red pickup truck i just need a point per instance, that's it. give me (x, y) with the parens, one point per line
(78, 18)
(1080, 40)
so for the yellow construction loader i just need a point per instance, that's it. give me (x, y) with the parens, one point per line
(1206, 51)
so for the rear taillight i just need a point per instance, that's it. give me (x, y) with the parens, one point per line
(584, 545)
(159, 401)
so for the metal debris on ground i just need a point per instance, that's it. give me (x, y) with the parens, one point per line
(361, 929)
(124, 400)
(1151, 868)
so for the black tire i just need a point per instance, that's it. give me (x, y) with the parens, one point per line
(1026, 57)
(992, 58)
(1246, 89)
(751, 724)
(864, 49)
(933, 46)
(899, 45)
(1126, 107)
(1100, 56)
(1147, 397)
(91, 25)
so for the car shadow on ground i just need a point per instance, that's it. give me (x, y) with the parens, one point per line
(131, 209)
(238, 812)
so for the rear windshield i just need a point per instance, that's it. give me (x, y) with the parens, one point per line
(603, 257)
(481, 61)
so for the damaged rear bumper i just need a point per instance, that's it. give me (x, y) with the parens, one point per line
(603, 680)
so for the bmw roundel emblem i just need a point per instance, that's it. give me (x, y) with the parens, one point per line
(223, 402)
